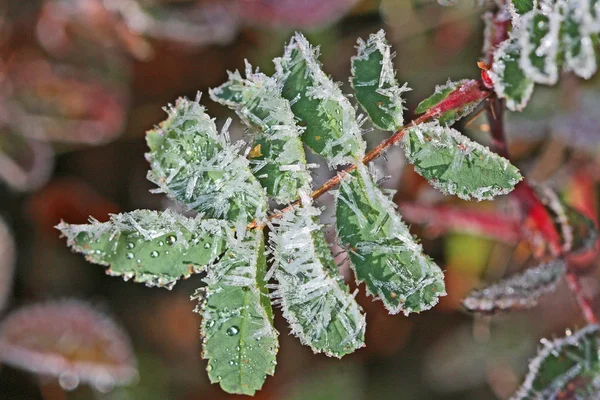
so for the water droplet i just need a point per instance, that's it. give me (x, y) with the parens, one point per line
(130, 256)
(171, 240)
(232, 330)
(231, 362)
(154, 254)
(207, 246)
(139, 261)
(130, 245)
(166, 251)
(68, 381)
(161, 243)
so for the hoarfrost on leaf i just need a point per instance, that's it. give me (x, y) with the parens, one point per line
(314, 298)
(331, 127)
(155, 248)
(382, 251)
(258, 102)
(195, 165)
(238, 336)
(565, 368)
(375, 85)
(518, 292)
(456, 165)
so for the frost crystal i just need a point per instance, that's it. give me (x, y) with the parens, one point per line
(330, 120)
(156, 248)
(539, 39)
(382, 251)
(456, 165)
(312, 293)
(239, 339)
(278, 159)
(374, 81)
(200, 168)
(521, 291)
(565, 368)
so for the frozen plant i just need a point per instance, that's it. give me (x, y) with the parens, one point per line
(229, 186)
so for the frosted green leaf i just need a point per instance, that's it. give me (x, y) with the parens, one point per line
(456, 165)
(375, 85)
(519, 7)
(539, 40)
(278, 158)
(440, 104)
(576, 40)
(238, 336)
(313, 296)
(518, 292)
(195, 165)
(382, 251)
(565, 368)
(156, 248)
(510, 81)
(319, 105)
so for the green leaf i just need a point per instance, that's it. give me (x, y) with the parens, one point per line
(510, 81)
(520, 7)
(375, 85)
(156, 248)
(319, 105)
(278, 160)
(452, 101)
(455, 165)
(200, 168)
(518, 292)
(314, 298)
(539, 40)
(584, 234)
(239, 339)
(565, 368)
(577, 42)
(382, 251)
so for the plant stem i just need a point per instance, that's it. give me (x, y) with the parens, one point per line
(532, 206)
(370, 156)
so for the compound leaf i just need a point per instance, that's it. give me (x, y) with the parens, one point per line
(518, 292)
(510, 81)
(382, 251)
(314, 298)
(455, 165)
(200, 168)
(319, 105)
(156, 248)
(375, 85)
(565, 368)
(452, 101)
(239, 339)
(279, 162)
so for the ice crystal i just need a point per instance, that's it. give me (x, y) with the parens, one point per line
(156, 248)
(312, 293)
(517, 292)
(456, 165)
(239, 339)
(374, 82)
(382, 251)
(279, 161)
(332, 129)
(565, 368)
(194, 164)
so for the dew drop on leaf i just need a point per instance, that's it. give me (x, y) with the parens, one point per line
(171, 240)
(232, 331)
(154, 254)
(130, 256)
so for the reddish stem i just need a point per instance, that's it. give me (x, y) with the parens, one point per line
(534, 209)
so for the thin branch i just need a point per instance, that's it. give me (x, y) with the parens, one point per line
(533, 208)
(375, 153)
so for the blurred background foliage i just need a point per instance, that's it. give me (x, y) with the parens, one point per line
(82, 80)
